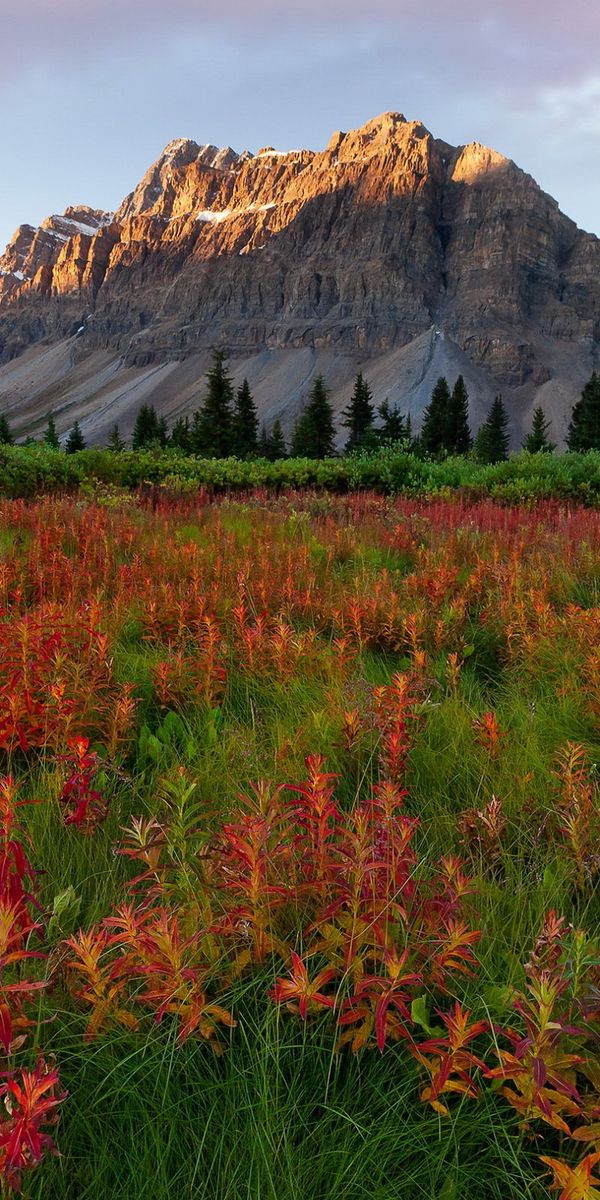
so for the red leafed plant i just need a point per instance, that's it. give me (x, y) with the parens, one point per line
(299, 992)
(85, 807)
(397, 719)
(31, 1100)
(16, 873)
(539, 1071)
(579, 813)
(316, 812)
(136, 947)
(380, 1004)
(103, 984)
(30, 1097)
(448, 1061)
(574, 1183)
(489, 734)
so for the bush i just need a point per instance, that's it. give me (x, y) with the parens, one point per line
(27, 471)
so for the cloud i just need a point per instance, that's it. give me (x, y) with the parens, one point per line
(571, 109)
(524, 31)
(99, 86)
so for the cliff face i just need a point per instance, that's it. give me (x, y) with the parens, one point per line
(358, 251)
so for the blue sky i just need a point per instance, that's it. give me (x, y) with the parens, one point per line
(90, 92)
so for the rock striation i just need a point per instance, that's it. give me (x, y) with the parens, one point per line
(357, 252)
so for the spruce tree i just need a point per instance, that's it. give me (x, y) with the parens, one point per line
(75, 440)
(264, 442)
(277, 446)
(181, 437)
(458, 438)
(358, 416)
(245, 422)
(394, 425)
(115, 441)
(212, 427)
(197, 439)
(584, 427)
(314, 432)
(146, 430)
(434, 430)
(537, 441)
(492, 441)
(51, 436)
(6, 437)
(162, 432)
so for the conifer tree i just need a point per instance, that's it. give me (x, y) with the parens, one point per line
(245, 422)
(434, 430)
(146, 430)
(51, 436)
(75, 440)
(6, 437)
(394, 425)
(492, 441)
(115, 441)
(314, 432)
(584, 427)
(264, 442)
(162, 432)
(358, 416)
(181, 437)
(277, 446)
(458, 438)
(197, 432)
(537, 441)
(212, 426)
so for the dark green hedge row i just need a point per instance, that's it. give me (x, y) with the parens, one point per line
(34, 470)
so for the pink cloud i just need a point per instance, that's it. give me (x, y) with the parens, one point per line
(72, 21)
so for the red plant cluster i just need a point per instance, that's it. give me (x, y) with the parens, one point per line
(84, 805)
(337, 899)
(289, 869)
(57, 679)
(31, 1097)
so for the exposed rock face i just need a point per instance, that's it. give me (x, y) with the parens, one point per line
(358, 250)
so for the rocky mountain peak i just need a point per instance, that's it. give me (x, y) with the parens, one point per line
(473, 161)
(388, 246)
(178, 153)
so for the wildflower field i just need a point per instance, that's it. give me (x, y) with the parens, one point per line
(299, 848)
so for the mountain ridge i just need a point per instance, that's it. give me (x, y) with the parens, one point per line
(353, 252)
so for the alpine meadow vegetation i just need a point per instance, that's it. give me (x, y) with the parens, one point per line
(299, 846)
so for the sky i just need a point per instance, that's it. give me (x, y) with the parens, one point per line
(92, 90)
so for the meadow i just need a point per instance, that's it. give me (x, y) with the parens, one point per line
(299, 846)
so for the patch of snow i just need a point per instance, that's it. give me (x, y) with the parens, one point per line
(255, 208)
(80, 226)
(214, 218)
(277, 153)
(19, 275)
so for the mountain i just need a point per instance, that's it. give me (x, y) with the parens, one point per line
(389, 251)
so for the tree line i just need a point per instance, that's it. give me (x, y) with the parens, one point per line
(227, 425)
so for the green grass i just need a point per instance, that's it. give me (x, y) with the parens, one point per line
(280, 1115)
(276, 1118)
